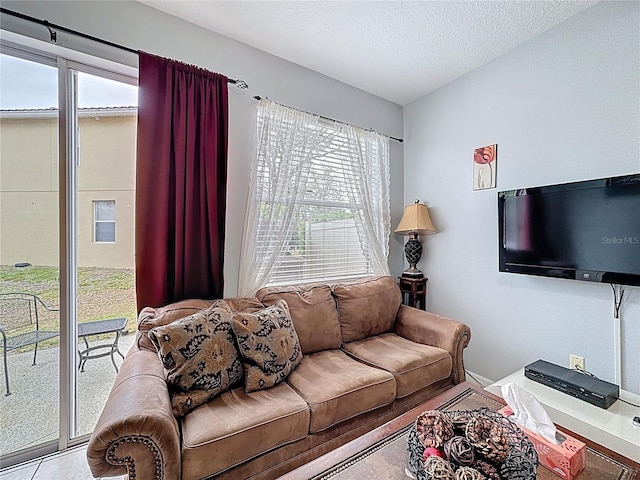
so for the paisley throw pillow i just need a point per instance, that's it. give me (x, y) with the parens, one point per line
(199, 357)
(268, 345)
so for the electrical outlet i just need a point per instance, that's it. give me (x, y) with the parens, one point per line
(576, 362)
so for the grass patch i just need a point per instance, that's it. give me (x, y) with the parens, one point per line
(99, 279)
(41, 281)
(29, 274)
(102, 293)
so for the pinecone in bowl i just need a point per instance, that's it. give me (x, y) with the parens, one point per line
(434, 428)
(460, 418)
(488, 470)
(488, 438)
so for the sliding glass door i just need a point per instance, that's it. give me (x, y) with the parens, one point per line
(29, 246)
(106, 125)
(66, 230)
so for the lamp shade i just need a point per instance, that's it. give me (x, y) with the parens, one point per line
(415, 219)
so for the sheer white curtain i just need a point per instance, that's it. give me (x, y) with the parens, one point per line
(314, 185)
(371, 193)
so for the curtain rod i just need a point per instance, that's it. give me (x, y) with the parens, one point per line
(241, 84)
(399, 140)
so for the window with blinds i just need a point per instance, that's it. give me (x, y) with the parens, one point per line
(104, 219)
(322, 242)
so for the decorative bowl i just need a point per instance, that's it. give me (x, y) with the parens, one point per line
(520, 464)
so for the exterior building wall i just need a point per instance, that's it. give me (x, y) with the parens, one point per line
(29, 186)
(29, 227)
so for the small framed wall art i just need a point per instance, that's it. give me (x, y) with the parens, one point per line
(485, 162)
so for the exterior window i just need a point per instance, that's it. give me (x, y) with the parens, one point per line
(104, 214)
(319, 206)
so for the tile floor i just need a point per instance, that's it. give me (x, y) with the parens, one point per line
(68, 465)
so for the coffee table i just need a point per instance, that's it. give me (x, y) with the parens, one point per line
(382, 453)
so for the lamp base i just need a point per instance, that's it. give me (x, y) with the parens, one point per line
(412, 272)
(413, 251)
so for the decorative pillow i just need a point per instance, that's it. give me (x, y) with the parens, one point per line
(268, 345)
(199, 356)
(151, 317)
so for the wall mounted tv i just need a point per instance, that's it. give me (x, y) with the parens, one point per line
(586, 230)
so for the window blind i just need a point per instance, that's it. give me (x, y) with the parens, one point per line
(323, 242)
(318, 201)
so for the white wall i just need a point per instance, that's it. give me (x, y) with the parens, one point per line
(562, 107)
(140, 27)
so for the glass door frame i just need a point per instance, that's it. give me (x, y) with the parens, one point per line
(68, 158)
(68, 210)
(67, 177)
(51, 446)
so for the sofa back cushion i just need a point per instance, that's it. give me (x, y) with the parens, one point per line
(313, 311)
(244, 304)
(367, 306)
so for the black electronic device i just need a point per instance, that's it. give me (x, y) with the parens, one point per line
(586, 230)
(572, 382)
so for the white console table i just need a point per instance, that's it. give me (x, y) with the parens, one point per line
(612, 427)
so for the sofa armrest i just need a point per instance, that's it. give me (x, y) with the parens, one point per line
(137, 433)
(431, 329)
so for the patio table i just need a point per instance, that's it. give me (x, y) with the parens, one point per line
(98, 327)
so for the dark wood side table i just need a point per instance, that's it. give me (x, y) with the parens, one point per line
(414, 291)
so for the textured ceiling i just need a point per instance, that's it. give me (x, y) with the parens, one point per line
(398, 50)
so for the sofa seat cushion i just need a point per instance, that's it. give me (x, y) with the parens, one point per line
(237, 426)
(314, 314)
(367, 306)
(337, 387)
(413, 365)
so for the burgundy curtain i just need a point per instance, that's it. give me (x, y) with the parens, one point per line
(181, 182)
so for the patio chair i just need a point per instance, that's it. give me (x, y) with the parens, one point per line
(19, 325)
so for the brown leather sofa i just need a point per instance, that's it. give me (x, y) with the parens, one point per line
(367, 359)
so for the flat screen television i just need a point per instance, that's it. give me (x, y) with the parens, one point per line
(587, 230)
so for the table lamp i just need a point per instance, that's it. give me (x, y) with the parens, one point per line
(415, 221)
